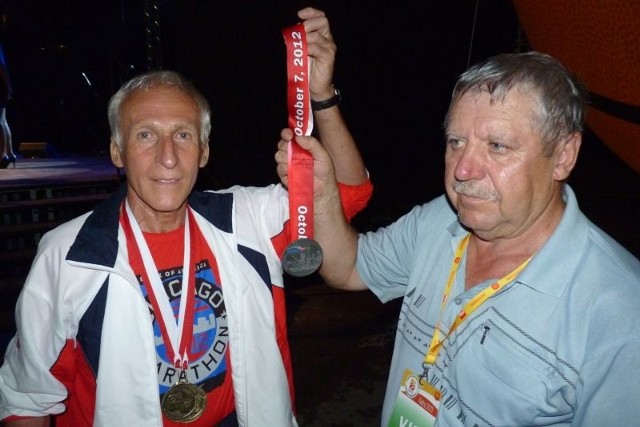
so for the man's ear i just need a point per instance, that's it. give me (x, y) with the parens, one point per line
(204, 155)
(116, 154)
(567, 156)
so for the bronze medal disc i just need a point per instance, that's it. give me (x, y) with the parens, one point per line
(184, 402)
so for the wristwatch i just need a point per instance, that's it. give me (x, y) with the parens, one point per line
(327, 103)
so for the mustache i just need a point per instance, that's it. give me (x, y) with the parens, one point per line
(474, 189)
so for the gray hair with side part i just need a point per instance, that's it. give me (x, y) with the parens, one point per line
(155, 79)
(562, 99)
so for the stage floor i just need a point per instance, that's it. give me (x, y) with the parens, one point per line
(62, 170)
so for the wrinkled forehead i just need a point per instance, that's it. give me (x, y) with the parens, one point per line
(165, 108)
(524, 96)
(499, 93)
(162, 102)
(482, 114)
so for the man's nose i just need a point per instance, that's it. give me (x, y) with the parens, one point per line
(470, 164)
(167, 152)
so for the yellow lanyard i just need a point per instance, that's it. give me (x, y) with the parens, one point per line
(471, 306)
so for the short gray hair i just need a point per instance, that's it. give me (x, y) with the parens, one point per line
(562, 99)
(154, 79)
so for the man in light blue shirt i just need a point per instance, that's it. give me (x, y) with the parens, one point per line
(517, 310)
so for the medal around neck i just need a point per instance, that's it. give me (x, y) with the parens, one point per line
(302, 257)
(184, 402)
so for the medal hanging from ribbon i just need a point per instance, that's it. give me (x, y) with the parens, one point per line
(303, 256)
(183, 402)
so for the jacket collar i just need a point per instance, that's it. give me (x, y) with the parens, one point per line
(97, 240)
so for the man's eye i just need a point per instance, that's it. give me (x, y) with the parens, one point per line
(498, 147)
(454, 143)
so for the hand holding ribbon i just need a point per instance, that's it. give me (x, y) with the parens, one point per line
(321, 51)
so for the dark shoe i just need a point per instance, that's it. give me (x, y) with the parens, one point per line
(5, 161)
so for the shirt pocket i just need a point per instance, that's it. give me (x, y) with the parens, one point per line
(506, 378)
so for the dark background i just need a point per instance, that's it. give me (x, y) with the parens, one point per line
(397, 61)
(396, 64)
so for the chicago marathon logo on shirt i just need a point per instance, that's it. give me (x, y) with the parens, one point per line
(210, 341)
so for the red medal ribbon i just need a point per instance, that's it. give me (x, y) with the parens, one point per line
(300, 161)
(181, 361)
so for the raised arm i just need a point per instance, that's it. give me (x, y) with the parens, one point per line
(336, 236)
(332, 130)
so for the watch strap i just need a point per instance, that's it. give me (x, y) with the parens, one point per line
(327, 103)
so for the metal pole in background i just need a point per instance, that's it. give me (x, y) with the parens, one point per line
(152, 34)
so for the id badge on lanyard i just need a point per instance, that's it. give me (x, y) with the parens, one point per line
(418, 401)
(416, 405)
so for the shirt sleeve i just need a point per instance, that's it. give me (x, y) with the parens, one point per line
(27, 386)
(355, 197)
(386, 255)
(390, 257)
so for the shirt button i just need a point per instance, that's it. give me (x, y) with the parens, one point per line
(458, 301)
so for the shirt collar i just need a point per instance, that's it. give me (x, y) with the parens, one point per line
(551, 268)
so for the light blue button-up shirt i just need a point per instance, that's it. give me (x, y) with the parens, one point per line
(558, 346)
